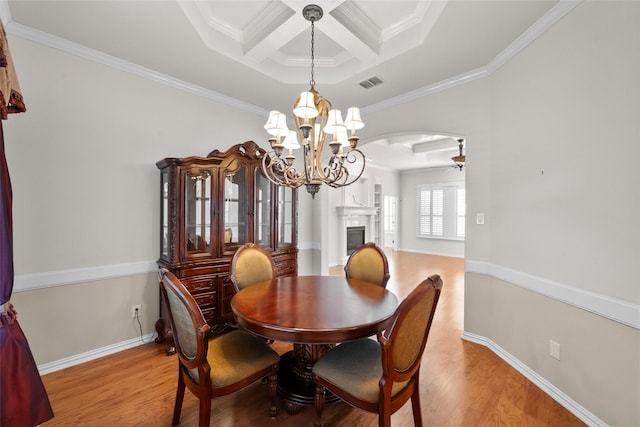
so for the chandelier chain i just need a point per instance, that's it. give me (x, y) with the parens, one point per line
(312, 82)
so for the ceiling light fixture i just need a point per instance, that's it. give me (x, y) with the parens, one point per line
(460, 158)
(315, 120)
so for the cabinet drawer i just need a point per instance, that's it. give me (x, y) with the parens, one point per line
(206, 300)
(210, 315)
(197, 285)
(210, 269)
(285, 257)
(286, 269)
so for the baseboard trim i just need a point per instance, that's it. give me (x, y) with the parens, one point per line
(611, 308)
(450, 255)
(77, 359)
(556, 394)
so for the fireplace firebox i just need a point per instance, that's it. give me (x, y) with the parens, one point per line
(355, 238)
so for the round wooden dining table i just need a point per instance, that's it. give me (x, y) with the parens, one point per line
(314, 313)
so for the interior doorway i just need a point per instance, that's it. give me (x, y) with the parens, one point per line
(390, 214)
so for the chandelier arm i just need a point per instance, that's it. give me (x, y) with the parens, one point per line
(352, 156)
(279, 173)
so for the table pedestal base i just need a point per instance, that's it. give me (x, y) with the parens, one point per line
(295, 376)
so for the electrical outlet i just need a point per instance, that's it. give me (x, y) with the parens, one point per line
(554, 349)
(135, 310)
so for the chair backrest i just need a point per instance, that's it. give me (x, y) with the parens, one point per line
(190, 330)
(368, 263)
(403, 342)
(251, 264)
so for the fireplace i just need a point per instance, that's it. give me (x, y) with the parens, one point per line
(355, 238)
(355, 225)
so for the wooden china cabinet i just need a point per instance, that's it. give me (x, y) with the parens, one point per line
(209, 207)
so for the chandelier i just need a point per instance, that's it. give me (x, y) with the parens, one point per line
(460, 158)
(317, 124)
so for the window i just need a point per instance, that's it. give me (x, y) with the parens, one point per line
(441, 210)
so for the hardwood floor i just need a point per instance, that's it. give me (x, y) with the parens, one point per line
(462, 383)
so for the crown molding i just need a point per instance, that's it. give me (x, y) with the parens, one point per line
(520, 43)
(84, 52)
(532, 33)
(458, 80)
(556, 13)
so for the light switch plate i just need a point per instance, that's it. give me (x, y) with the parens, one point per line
(480, 218)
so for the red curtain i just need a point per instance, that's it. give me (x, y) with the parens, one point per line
(23, 398)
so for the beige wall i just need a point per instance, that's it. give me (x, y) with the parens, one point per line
(64, 321)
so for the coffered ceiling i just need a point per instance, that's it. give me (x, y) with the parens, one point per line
(351, 37)
(255, 54)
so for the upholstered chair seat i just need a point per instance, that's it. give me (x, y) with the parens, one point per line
(233, 355)
(356, 367)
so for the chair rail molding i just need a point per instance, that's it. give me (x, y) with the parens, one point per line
(611, 308)
(28, 282)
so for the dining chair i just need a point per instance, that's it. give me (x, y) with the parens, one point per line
(381, 376)
(251, 264)
(369, 263)
(211, 367)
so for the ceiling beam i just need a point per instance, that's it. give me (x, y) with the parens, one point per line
(439, 145)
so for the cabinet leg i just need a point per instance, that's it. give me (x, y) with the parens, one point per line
(165, 336)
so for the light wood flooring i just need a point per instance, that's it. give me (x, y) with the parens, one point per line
(462, 383)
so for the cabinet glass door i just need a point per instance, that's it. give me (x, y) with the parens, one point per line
(285, 216)
(235, 208)
(164, 218)
(262, 213)
(197, 212)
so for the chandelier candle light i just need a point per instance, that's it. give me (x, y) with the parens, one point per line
(315, 121)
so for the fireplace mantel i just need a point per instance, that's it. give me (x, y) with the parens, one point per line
(355, 210)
